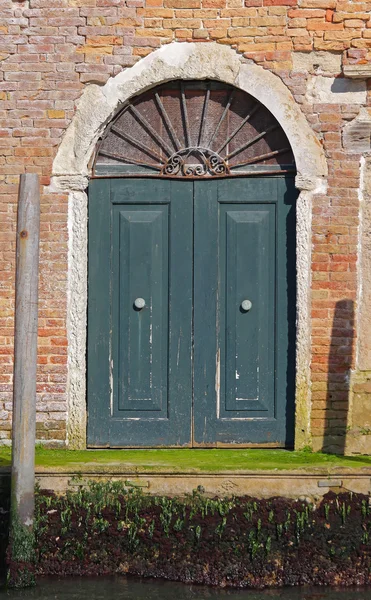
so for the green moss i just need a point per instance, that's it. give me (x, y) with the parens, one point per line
(179, 460)
(22, 543)
(21, 556)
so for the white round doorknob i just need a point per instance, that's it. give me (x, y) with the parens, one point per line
(139, 303)
(246, 305)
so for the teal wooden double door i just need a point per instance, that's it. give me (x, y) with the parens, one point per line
(191, 312)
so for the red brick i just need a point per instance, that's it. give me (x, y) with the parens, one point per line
(89, 40)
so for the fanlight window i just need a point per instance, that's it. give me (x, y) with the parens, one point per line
(193, 129)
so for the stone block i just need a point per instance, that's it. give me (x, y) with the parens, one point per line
(335, 90)
(329, 483)
(361, 413)
(360, 444)
(317, 62)
(356, 135)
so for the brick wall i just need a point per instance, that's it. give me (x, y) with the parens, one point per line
(334, 283)
(50, 49)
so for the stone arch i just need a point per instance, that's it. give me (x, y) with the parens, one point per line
(72, 166)
(98, 105)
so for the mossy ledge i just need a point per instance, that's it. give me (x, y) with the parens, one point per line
(110, 528)
(188, 460)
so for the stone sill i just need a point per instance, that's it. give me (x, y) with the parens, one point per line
(261, 484)
(357, 71)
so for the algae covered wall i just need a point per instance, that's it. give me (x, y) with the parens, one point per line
(235, 542)
(320, 51)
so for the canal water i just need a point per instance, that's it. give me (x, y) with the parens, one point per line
(120, 588)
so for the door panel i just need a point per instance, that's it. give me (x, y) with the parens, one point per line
(140, 336)
(244, 360)
(246, 272)
(140, 244)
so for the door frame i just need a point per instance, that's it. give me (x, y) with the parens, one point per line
(72, 166)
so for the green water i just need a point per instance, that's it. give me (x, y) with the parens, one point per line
(116, 588)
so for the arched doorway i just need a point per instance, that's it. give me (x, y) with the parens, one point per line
(191, 257)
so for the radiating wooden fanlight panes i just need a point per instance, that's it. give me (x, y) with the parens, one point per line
(193, 129)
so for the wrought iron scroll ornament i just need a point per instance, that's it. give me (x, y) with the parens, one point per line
(194, 130)
(210, 164)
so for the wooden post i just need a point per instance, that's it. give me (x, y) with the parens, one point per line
(21, 553)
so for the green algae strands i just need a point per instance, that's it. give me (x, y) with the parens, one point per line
(111, 528)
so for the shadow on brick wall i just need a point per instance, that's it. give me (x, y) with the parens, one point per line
(340, 361)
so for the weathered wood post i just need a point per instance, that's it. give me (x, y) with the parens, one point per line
(21, 548)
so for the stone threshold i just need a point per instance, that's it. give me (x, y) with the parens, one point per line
(313, 483)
